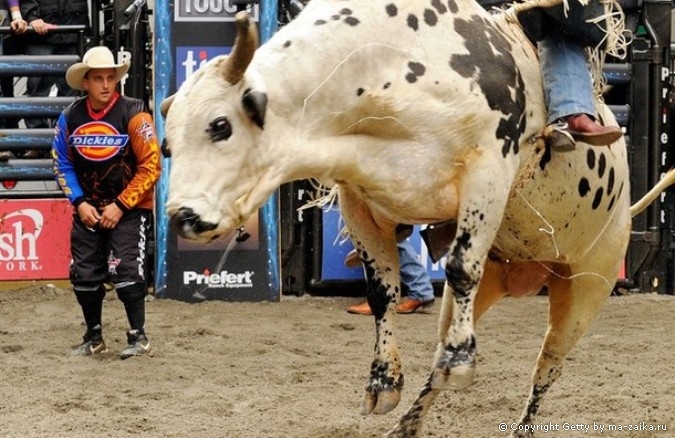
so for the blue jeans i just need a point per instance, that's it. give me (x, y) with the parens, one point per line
(567, 81)
(415, 280)
(39, 86)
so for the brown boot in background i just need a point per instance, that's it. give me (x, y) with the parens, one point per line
(352, 259)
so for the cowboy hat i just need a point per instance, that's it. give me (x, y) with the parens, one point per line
(96, 57)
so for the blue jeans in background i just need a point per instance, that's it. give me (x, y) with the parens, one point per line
(415, 280)
(567, 81)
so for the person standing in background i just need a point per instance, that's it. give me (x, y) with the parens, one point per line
(10, 14)
(43, 16)
(415, 282)
(107, 162)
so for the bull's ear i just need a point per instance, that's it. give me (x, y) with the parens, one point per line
(166, 152)
(166, 103)
(255, 105)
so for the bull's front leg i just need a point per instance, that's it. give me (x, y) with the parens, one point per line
(383, 389)
(376, 246)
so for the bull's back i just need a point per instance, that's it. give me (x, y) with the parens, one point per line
(423, 65)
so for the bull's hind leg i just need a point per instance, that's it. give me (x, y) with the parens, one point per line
(492, 288)
(573, 305)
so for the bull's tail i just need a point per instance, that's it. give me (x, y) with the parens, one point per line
(648, 198)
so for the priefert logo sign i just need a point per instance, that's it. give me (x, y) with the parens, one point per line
(18, 247)
(222, 280)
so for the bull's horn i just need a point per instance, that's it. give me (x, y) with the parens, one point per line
(166, 103)
(245, 45)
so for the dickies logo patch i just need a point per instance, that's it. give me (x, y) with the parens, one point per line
(98, 141)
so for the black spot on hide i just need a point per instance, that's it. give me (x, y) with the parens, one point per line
(360, 91)
(610, 181)
(545, 159)
(413, 22)
(391, 9)
(346, 11)
(611, 203)
(461, 354)
(590, 158)
(335, 17)
(602, 165)
(376, 292)
(455, 271)
(319, 22)
(430, 17)
(584, 187)
(597, 199)
(453, 6)
(440, 7)
(387, 85)
(287, 44)
(352, 21)
(490, 64)
(416, 70)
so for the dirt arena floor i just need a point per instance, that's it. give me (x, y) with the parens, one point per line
(296, 369)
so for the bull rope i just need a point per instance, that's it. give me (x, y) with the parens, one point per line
(516, 8)
(616, 42)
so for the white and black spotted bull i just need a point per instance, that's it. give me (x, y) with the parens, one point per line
(419, 112)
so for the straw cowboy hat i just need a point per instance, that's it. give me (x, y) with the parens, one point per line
(96, 57)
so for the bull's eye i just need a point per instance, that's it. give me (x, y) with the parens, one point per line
(166, 152)
(219, 129)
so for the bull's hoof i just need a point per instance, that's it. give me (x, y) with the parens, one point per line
(522, 434)
(402, 432)
(380, 402)
(410, 425)
(459, 377)
(455, 367)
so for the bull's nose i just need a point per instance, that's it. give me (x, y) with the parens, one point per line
(188, 224)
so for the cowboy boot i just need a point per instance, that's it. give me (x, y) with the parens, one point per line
(563, 134)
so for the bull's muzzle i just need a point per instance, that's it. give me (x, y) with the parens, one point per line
(188, 224)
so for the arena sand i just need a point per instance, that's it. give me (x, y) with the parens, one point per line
(296, 369)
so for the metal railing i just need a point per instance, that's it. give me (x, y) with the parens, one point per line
(16, 140)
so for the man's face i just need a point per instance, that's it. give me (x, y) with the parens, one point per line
(100, 84)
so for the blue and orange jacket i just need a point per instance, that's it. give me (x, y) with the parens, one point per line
(107, 156)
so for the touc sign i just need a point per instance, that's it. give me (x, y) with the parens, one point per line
(208, 10)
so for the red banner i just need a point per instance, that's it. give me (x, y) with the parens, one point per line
(35, 239)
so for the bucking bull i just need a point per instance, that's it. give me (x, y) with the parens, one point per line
(416, 112)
